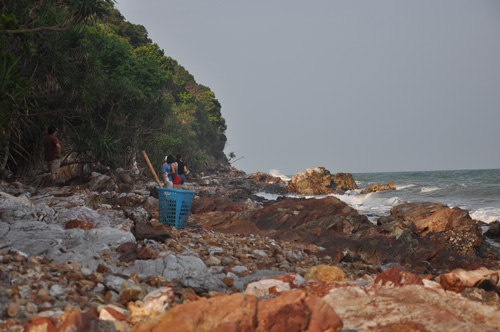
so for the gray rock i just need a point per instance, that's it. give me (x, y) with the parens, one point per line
(145, 268)
(239, 269)
(259, 252)
(191, 272)
(101, 182)
(113, 282)
(37, 238)
(215, 250)
(56, 291)
(212, 260)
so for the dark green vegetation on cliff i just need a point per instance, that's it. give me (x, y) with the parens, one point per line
(110, 90)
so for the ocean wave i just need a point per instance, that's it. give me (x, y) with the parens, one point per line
(486, 215)
(372, 203)
(277, 173)
(429, 189)
(405, 186)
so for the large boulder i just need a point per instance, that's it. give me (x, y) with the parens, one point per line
(289, 311)
(302, 220)
(320, 181)
(449, 228)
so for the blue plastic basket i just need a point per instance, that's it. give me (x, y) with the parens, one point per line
(174, 205)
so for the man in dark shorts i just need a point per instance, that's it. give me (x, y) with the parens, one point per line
(52, 147)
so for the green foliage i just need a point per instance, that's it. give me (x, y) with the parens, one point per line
(110, 90)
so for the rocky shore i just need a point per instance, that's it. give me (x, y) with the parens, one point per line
(90, 255)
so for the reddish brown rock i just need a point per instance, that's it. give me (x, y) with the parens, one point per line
(113, 313)
(157, 232)
(325, 273)
(261, 177)
(81, 322)
(396, 277)
(215, 314)
(448, 228)
(377, 187)
(459, 279)
(320, 181)
(35, 324)
(203, 205)
(296, 311)
(75, 223)
(302, 220)
(289, 311)
(234, 207)
(225, 222)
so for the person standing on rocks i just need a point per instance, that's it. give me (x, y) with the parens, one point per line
(174, 175)
(52, 146)
(181, 168)
(166, 171)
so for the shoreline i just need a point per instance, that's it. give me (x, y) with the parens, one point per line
(232, 241)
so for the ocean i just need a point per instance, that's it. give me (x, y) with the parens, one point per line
(477, 191)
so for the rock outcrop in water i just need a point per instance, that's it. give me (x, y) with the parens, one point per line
(319, 181)
(377, 187)
(89, 257)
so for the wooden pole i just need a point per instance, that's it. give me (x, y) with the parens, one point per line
(151, 168)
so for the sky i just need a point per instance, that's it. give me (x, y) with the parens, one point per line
(352, 86)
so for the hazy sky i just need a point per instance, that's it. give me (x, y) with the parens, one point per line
(354, 86)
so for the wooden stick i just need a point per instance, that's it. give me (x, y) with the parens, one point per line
(151, 168)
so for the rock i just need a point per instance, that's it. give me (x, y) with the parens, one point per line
(290, 311)
(304, 220)
(100, 182)
(154, 303)
(37, 323)
(130, 291)
(297, 311)
(480, 295)
(377, 187)
(396, 277)
(191, 272)
(272, 241)
(266, 287)
(75, 223)
(81, 321)
(111, 314)
(147, 230)
(459, 279)
(493, 230)
(325, 273)
(203, 205)
(320, 181)
(261, 177)
(212, 260)
(409, 308)
(215, 314)
(113, 282)
(452, 229)
(275, 285)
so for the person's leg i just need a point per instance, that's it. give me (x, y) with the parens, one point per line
(183, 178)
(54, 168)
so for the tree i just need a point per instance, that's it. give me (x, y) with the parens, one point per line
(54, 15)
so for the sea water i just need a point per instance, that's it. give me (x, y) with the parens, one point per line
(477, 191)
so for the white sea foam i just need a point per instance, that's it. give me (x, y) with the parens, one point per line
(277, 173)
(429, 189)
(372, 203)
(486, 215)
(405, 186)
